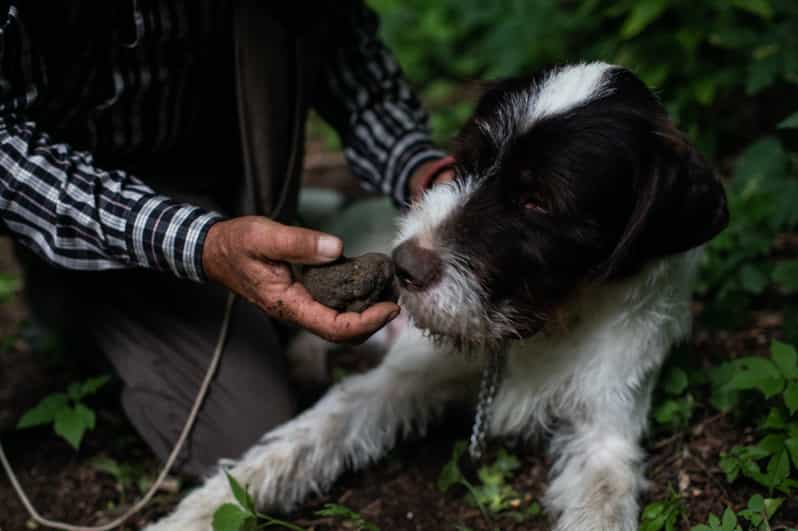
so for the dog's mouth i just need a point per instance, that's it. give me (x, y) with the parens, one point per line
(469, 328)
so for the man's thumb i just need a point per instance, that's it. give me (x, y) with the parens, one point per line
(304, 246)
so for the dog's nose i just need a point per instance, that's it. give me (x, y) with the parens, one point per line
(417, 268)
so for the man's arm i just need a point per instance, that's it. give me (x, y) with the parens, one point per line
(365, 97)
(76, 215)
(56, 201)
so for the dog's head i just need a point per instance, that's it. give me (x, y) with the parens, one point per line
(572, 176)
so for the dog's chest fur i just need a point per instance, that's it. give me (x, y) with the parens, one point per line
(608, 346)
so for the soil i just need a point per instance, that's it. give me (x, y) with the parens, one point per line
(399, 492)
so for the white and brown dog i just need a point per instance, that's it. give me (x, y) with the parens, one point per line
(566, 240)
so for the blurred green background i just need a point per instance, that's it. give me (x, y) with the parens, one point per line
(727, 71)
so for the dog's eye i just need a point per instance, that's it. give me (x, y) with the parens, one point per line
(535, 207)
(533, 203)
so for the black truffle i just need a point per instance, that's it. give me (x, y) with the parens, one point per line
(352, 284)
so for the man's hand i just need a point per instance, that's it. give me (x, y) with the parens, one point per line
(429, 174)
(250, 255)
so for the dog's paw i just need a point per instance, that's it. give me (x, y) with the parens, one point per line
(288, 464)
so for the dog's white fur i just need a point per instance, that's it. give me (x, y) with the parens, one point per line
(593, 374)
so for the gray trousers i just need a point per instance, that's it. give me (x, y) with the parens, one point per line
(159, 332)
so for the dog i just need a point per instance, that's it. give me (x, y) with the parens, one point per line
(568, 242)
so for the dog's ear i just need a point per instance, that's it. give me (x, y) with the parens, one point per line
(679, 203)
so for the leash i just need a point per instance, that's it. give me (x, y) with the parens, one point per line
(209, 374)
(492, 374)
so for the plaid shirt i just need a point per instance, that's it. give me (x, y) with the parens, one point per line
(76, 98)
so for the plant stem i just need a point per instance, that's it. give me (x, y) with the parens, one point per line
(473, 492)
(270, 521)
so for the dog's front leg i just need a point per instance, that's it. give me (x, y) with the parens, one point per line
(357, 422)
(597, 474)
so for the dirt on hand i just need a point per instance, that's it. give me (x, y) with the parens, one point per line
(352, 284)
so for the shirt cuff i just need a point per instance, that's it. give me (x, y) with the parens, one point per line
(407, 155)
(164, 234)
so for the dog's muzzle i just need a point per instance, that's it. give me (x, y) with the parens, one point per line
(417, 268)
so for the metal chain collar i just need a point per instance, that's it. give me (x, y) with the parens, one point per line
(492, 374)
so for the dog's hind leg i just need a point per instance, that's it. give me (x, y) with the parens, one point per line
(357, 422)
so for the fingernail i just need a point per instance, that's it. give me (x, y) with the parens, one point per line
(393, 315)
(328, 247)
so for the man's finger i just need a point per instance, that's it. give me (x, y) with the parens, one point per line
(443, 177)
(351, 327)
(297, 306)
(300, 246)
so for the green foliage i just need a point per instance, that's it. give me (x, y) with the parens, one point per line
(756, 515)
(727, 523)
(493, 494)
(68, 414)
(9, 285)
(127, 475)
(352, 519)
(773, 460)
(662, 515)
(703, 57)
(761, 198)
(242, 516)
(676, 409)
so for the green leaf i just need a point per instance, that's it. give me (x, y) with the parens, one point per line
(9, 285)
(761, 8)
(785, 274)
(675, 381)
(764, 159)
(729, 522)
(772, 444)
(757, 373)
(791, 397)
(241, 495)
(122, 473)
(534, 509)
(451, 474)
(785, 358)
(730, 466)
(73, 391)
(87, 416)
(778, 469)
(676, 412)
(642, 14)
(44, 412)
(792, 447)
(772, 506)
(756, 503)
(230, 517)
(337, 510)
(92, 385)
(752, 279)
(654, 516)
(71, 424)
(345, 513)
(791, 122)
(775, 419)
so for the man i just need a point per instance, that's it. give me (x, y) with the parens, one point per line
(134, 138)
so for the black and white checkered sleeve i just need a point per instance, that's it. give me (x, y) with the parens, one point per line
(56, 201)
(366, 98)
